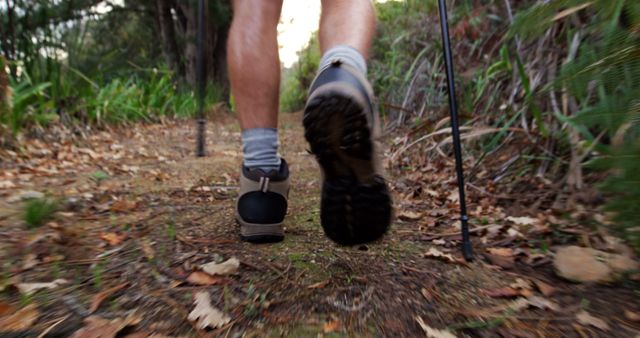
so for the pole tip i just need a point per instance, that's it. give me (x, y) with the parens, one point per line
(467, 251)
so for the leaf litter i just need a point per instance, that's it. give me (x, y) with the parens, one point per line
(205, 315)
(428, 204)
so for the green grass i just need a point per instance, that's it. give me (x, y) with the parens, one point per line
(39, 211)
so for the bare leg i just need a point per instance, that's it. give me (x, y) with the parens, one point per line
(347, 22)
(254, 63)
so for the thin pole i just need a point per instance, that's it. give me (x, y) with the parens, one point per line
(467, 250)
(201, 79)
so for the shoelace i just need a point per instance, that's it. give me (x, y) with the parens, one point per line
(264, 184)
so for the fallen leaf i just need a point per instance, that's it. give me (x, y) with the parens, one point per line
(147, 249)
(319, 285)
(410, 215)
(21, 319)
(205, 315)
(228, 267)
(454, 196)
(571, 10)
(113, 238)
(123, 205)
(632, 316)
(30, 260)
(89, 152)
(585, 318)
(435, 253)
(202, 278)
(428, 294)
(105, 328)
(332, 326)
(100, 297)
(506, 262)
(5, 308)
(505, 252)
(522, 220)
(507, 292)
(434, 333)
(543, 303)
(521, 284)
(544, 288)
(29, 288)
(6, 184)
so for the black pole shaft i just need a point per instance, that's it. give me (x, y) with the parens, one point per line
(201, 78)
(467, 251)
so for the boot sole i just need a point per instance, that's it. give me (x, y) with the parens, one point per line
(356, 207)
(260, 233)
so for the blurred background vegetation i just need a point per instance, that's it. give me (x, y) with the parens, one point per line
(549, 93)
(549, 90)
(86, 62)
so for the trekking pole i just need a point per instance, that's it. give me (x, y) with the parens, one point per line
(201, 79)
(467, 250)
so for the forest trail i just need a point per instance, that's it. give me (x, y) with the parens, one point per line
(139, 216)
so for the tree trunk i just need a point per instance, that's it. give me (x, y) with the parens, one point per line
(188, 10)
(170, 48)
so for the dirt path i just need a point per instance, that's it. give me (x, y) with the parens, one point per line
(138, 212)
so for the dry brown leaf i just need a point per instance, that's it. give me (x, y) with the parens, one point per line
(505, 252)
(204, 315)
(570, 11)
(319, 285)
(30, 260)
(434, 333)
(410, 215)
(507, 292)
(632, 316)
(21, 319)
(523, 220)
(543, 303)
(6, 184)
(147, 249)
(123, 206)
(227, 267)
(585, 318)
(545, 288)
(454, 196)
(435, 253)
(105, 328)
(506, 262)
(203, 278)
(29, 288)
(332, 326)
(5, 308)
(521, 284)
(100, 297)
(113, 238)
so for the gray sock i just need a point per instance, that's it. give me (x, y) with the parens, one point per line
(346, 54)
(260, 148)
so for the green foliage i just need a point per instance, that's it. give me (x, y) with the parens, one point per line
(99, 176)
(297, 80)
(72, 95)
(604, 80)
(38, 211)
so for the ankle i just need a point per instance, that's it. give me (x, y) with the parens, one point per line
(347, 55)
(260, 148)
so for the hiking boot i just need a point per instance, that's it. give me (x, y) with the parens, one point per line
(262, 204)
(341, 126)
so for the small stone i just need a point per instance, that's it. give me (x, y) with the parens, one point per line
(581, 265)
(621, 264)
(589, 265)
